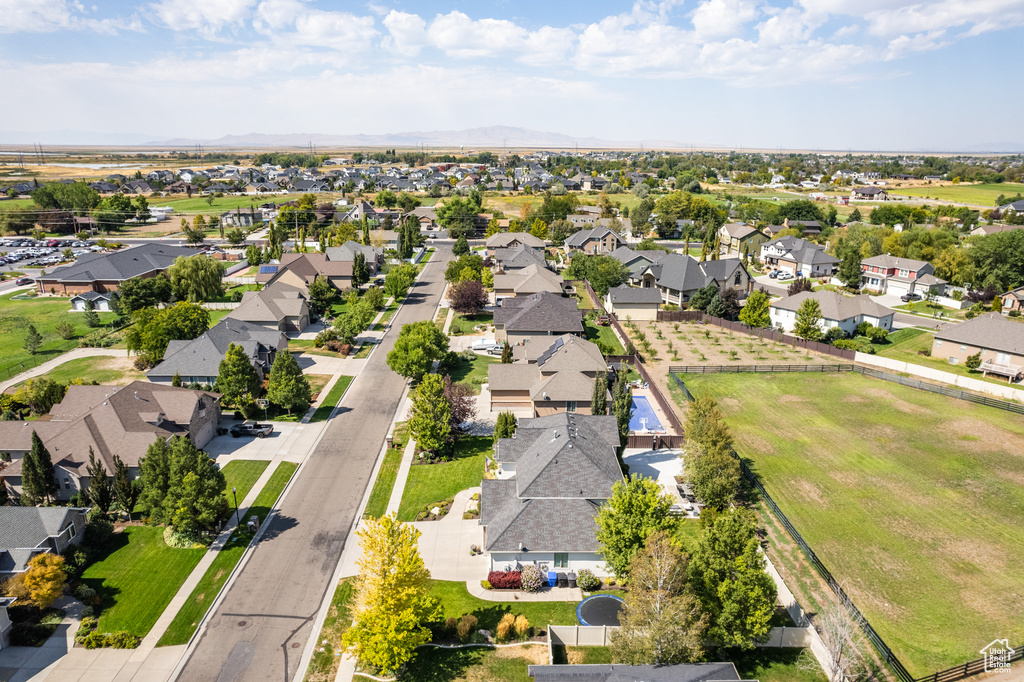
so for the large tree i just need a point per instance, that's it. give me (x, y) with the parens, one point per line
(42, 583)
(662, 622)
(418, 345)
(850, 266)
(727, 571)
(195, 495)
(236, 377)
(457, 215)
(101, 491)
(431, 414)
(467, 297)
(462, 404)
(505, 426)
(454, 271)
(126, 491)
(599, 399)
(153, 329)
(756, 311)
(604, 272)
(710, 464)
(622, 404)
(391, 596)
(287, 386)
(38, 481)
(144, 292)
(399, 279)
(636, 509)
(322, 295)
(360, 270)
(808, 315)
(461, 246)
(702, 298)
(196, 278)
(155, 477)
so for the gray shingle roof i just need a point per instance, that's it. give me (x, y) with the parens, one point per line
(507, 239)
(348, 251)
(541, 312)
(683, 672)
(802, 251)
(202, 356)
(565, 385)
(529, 280)
(578, 239)
(118, 265)
(628, 294)
(518, 257)
(887, 261)
(272, 304)
(512, 377)
(567, 352)
(991, 330)
(835, 306)
(681, 272)
(24, 532)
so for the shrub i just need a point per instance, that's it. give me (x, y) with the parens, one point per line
(450, 624)
(834, 334)
(484, 584)
(85, 594)
(505, 580)
(878, 335)
(846, 344)
(466, 627)
(586, 580)
(76, 559)
(86, 627)
(530, 578)
(522, 627)
(98, 531)
(97, 339)
(121, 640)
(88, 611)
(1014, 313)
(93, 640)
(973, 361)
(862, 328)
(505, 629)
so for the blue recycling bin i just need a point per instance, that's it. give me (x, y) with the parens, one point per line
(552, 578)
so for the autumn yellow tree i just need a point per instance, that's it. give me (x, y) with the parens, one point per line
(391, 604)
(42, 583)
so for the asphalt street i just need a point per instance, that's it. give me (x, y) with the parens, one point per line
(262, 625)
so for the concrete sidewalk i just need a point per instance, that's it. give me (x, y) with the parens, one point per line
(60, 360)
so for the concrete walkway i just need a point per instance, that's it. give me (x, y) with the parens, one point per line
(49, 365)
(444, 544)
(20, 663)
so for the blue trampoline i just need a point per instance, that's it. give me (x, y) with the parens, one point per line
(643, 416)
(600, 609)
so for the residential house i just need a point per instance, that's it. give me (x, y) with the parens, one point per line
(427, 215)
(300, 269)
(554, 475)
(508, 240)
(104, 272)
(1015, 206)
(678, 277)
(198, 360)
(636, 261)
(887, 274)
(999, 340)
(384, 239)
(102, 303)
(516, 258)
(373, 255)
(525, 318)
(798, 257)
(279, 305)
(599, 240)
(532, 279)
(870, 193)
(233, 219)
(109, 420)
(845, 312)
(739, 238)
(1013, 300)
(807, 228)
(547, 378)
(985, 230)
(633, 303)
(28, 531)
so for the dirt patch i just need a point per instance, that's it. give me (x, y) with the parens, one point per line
(536, 654)
(853, 398)
(792, 399)
(985, 436)
(812, 492)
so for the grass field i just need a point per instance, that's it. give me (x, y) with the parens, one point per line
(187, 619)
(264, 502)
(475, 665)
(907, 346)
(331, 401)
(456, 601)
(429, 483)
(473, 372)
(597, 333)
(323, 667)
(463, 324)
(242, 474)
(912, 499)
(978, 195)
(102, 370)
(137, 578)
(45, 312)
(385, 483)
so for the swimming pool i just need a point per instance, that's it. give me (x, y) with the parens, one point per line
(643, 416)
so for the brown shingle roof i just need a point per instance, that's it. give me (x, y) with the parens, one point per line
(991, 330)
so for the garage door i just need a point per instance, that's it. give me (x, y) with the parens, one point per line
(898, 288)
(205, 434)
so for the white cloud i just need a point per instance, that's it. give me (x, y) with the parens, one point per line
(44, 16)
(459, 36)
(208, 17)
(407, 32)
(723, 18)
(922, 42)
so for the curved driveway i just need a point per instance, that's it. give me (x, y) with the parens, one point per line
(260, 628)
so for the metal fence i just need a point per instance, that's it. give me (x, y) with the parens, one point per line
(958, 672)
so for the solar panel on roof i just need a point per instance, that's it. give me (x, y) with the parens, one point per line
(268, 269)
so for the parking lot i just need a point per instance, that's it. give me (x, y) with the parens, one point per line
(18, 252)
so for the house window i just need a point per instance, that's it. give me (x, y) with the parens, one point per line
(938, 342)
(570, 406)
(561, 560)
(963, 347)
(737, 280)
(71, 532)
(67, 484)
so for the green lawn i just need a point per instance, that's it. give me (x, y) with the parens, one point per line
(109, 370)
(912, 499)
(267, 498)
(385, 483)
(429, 483)
(472, 372)
(324, 665)
(331, 401)
(606, 335)
(45, 312)
(137, 578)
(769, 665)
(456, 601)
(463, 324)
(581, 655)
(476, 664)
(187, 619)
(979, 195)
(907, 346)
(242, 474)
(931, 309)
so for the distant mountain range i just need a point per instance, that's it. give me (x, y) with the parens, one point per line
(490, 137)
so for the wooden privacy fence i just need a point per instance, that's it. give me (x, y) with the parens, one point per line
(769, 334)
(957, 672)
(634, 361)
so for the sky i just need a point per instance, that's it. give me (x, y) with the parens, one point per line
(808, 74)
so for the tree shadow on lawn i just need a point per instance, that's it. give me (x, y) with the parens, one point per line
(442, 665)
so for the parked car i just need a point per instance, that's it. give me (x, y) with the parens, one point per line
(22, 281)
(774, 273)
(907, 298)
(784, 275)
(251, 428)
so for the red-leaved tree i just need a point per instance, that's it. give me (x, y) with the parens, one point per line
(468, 297)
(463, 404)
